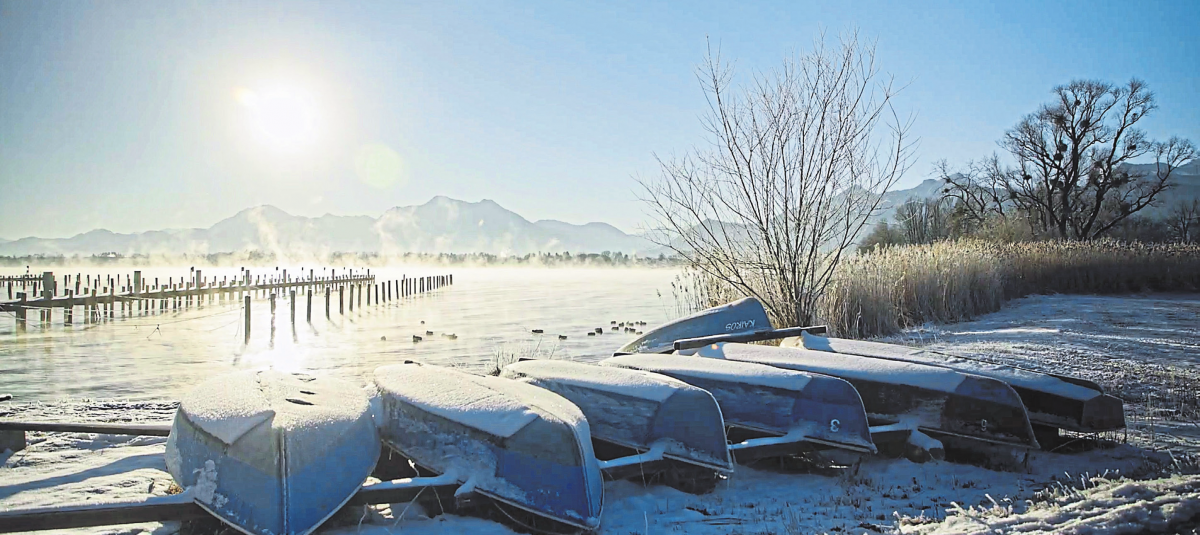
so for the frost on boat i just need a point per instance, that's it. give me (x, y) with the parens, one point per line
(807, 411)
(936, 399)
(1054, 401)
(272, 453)
(637, 410)
(513, 442)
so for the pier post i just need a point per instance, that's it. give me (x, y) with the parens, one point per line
(350, 287)
(292, 305)
(308, 316)
(272, 303)
(48, 285)
(247, 319)
(327, 291)
(21, 311)
(341, 299)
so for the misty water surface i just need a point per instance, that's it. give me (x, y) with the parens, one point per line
(490, 310)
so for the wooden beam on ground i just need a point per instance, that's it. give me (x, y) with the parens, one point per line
(181, 507)
(153, 430)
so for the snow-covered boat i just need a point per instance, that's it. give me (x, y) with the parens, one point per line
(269, 452)
(778, 412)
(935, 399)
(520, 445)
(1054, 401)
(652, 423)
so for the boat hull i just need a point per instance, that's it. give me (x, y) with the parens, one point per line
(1052, 400)
(818, 411)
(936, 400)
(279, 467)
(503, 439)
(741, 316)
(637, 410)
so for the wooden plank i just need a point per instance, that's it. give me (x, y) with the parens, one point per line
(180, 507)
(92, 515)
(153, 430)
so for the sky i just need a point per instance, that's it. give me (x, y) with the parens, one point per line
(134, 116)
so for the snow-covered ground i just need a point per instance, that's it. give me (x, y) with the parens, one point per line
(1145, 348)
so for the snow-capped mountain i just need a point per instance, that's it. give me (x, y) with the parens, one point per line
(442, 225)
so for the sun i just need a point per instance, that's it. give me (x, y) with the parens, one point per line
(282, 118)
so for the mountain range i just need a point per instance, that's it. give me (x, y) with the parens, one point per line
(442, 225)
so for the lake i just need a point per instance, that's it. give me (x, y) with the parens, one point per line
(492, 311)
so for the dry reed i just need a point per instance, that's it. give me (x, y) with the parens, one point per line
(885, 291)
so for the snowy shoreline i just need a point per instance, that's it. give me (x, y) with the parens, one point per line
(1145, 348)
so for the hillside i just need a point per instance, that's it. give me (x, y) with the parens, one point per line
(442, 225)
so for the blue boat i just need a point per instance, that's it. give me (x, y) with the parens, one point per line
(515, 443)
(649, 424)
(272, 453)
(745, 315)
(779, 412)
(931, 399)
(1054, 401)
(901, 398)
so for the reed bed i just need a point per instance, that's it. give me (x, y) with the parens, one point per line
(882, 292)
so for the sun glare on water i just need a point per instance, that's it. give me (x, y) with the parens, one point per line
(281, 118)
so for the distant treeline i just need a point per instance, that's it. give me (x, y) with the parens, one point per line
(604, 259)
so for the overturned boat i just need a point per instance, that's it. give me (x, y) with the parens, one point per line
(642, 424)
(775, 412)
(517, 444)
(270, 452)
(1054, 401)
(935, 399)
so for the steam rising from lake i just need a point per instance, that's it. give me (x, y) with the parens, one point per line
(489, 310)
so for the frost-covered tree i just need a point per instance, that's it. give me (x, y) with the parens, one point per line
(795, 164)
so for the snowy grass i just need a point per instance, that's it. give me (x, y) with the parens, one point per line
(506, 354)
(1102, 507)
(882, 292)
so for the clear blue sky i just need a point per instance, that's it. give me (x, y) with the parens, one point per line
(134, 116)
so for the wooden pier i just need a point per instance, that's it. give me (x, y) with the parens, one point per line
(109, 298)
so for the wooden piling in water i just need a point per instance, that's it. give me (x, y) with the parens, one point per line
(109, 297)
(247, 319)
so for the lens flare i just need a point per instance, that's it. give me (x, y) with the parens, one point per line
(378, 166)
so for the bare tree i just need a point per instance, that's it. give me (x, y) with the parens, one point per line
(1183, 221)
(924, 220)
(980, 193)
(797, 161)
(1073, 177)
